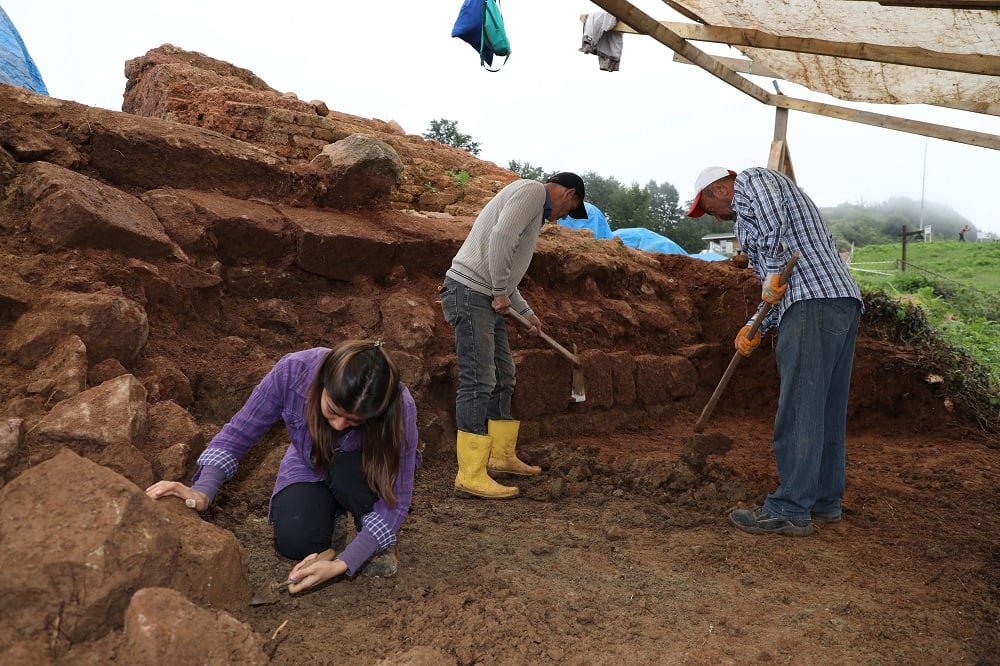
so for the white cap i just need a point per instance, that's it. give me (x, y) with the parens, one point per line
(707, 176)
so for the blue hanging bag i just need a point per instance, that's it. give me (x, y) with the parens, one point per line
(494, 35)
(480, 24)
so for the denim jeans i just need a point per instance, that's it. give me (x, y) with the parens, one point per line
(815, 354)
(485, 365)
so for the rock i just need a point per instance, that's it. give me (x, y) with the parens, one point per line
(162, 627)
(341, 246)
(164, 381)
(96, 538)
(15, 295)
(65, 370)
(110, 326)
(11, 440)
(408, 320)
(105, 424)
(66, 209)
(173, 438)
(359, 171)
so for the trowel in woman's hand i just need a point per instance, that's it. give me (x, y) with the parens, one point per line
(272, 592)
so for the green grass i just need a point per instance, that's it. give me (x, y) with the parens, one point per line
(977, 264)
(948, 300)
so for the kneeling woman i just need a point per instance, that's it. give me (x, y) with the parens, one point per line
(353, 431)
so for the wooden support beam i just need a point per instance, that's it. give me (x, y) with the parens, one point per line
(780, 159)
(627, 13)
(938, 4)
(914, 56)
(738, 65)
(744, 66)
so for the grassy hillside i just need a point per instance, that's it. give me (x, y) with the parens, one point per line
(975, 264)
(948, 299)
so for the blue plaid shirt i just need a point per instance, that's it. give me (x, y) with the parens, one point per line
(775, 218)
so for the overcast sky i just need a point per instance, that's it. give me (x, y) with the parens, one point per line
(550, 105)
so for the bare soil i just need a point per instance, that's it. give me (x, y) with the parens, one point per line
(620, 552)
(599, 563)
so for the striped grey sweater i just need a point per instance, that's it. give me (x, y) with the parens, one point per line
(497, 252)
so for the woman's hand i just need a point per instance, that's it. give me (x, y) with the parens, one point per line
(193, 498)
(315, 569)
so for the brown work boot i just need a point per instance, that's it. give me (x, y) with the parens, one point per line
(381, 565)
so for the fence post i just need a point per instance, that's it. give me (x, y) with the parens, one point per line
(906, 235)
(902, 265)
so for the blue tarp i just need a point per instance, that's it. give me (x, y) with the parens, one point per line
(595, 221)
(16, 66)
(638, 237)
(710, 256)
(648, 241)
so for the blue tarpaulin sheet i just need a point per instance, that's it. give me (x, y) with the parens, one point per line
(648, 241)
(16, 66)
(638, 237)
(596, 221)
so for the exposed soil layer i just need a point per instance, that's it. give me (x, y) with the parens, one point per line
(603, 562)
(620, 552)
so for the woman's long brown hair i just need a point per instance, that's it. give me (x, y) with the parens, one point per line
(360, 378)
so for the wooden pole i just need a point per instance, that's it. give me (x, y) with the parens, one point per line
(903, 262)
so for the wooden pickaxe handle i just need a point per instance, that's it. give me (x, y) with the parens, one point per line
(555, 345)
(754, 327)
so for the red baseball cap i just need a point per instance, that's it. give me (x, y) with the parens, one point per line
(707, 176)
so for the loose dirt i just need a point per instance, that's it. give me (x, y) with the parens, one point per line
(620, 552)
(600, 563)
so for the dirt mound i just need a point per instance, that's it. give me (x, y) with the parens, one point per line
(153, 268)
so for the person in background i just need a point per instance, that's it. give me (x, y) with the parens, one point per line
(961, 233)
(353, 449)
(479, 288)
(818, 311)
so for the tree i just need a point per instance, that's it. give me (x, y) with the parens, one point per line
(664, 208)
(600, 190)
(446, 132)
(630, 208)
(527, 170)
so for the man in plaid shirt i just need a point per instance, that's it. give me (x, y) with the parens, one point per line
(818, 310)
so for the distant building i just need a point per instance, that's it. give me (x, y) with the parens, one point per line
(724, 244)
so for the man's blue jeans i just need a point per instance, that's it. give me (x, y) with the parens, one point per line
(815, 354)
(485, 365)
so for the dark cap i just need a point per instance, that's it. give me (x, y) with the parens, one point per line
(573, 182)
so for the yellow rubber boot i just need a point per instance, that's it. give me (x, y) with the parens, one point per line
(472, 480)
(503, 456)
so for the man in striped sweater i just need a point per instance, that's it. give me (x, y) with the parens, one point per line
(818, 310)
(479, 288)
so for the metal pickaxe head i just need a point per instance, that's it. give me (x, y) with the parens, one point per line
(578, 393)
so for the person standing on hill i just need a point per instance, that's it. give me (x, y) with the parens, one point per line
(479, 288)
(818, 310)
(353, 449)
(961, 233)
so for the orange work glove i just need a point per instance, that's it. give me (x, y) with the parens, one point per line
(743, 346)
(771, 292)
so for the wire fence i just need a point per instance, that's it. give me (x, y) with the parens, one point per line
(890, 269)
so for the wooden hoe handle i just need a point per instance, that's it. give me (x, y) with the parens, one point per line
(754, 327)
(555, 345)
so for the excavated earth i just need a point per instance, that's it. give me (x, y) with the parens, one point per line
(155, 263)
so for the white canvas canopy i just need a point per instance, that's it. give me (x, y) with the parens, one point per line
(901, 52)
